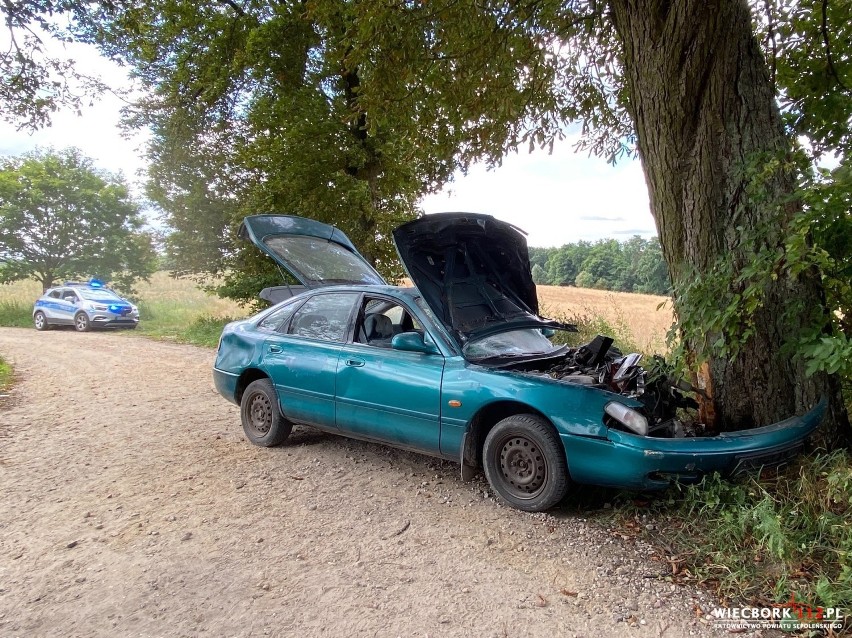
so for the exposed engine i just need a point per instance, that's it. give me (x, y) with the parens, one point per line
(599, 364)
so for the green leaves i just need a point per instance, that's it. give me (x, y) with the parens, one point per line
(62, 218)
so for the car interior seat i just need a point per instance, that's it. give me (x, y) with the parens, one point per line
(378, 329)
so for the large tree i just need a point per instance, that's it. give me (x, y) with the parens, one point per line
(60, 217)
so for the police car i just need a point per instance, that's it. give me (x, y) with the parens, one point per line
(85, 306)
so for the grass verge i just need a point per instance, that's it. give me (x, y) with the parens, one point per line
(5, 375)
(759, 540)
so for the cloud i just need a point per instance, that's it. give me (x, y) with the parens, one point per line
(600, 218)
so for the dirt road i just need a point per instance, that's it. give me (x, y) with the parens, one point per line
(133, 505)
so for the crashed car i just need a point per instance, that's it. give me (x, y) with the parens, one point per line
(84, 305)
(462, 367)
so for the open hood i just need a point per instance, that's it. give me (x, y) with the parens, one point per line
(316, 254)
(473, 271)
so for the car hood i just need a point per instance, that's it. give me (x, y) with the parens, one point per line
(473, 271)
(316, 254)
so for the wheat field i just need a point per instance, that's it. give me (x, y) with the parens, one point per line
(177, 302)
(645, 318)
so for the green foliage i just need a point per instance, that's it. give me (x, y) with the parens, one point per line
(765, 539)
(5, 375)
(14, 314)
(717, 308)
(635, 265)
(539, 276)
(62, 218)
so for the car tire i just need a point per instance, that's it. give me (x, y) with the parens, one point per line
(263, 422)
(40, 321)
(81, 322)
(525, 463)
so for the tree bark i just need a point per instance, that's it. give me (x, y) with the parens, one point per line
(703, 106)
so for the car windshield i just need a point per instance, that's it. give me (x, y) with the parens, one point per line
(98, 294)
(317, 261)
(513, 344)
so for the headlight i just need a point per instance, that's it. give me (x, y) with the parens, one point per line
(628, 417)
(97, 306)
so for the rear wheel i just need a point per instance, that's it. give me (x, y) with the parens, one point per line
(525, 463)
(81, 322)
(263, 422)
(40, 321)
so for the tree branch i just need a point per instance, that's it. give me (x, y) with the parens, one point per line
(828, 57)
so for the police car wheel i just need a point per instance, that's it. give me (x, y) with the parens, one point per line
(81, 322)
(40, 321)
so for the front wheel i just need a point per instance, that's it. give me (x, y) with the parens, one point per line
(525, 463)
(81, 322)
(40, 321)
(263, 422)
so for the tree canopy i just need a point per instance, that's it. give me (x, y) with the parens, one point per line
(60, 217)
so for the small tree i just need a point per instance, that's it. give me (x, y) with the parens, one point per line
(60, 217)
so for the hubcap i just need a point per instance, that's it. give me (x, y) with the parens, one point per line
(522, 466)
(39, 321)
(81, 322)
(260, 413)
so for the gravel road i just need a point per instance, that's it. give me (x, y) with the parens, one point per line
(133, 505)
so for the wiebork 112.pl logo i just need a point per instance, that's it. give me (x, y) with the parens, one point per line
(790, 615)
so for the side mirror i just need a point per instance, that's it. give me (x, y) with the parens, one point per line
(548, 332)
(70, 299)
(414, 342)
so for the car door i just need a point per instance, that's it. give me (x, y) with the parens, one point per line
(301, 357)
(50, 305)
(67, 306)
(387, 394)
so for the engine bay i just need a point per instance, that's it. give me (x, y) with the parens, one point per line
(667, 405)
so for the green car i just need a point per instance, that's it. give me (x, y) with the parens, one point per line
(462, 367)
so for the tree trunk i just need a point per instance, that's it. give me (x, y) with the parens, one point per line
(703, 107)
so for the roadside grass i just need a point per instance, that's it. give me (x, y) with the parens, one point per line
(15, 314)
(760, 540)
(5, 375)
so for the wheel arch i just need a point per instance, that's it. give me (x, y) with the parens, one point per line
(247, 377)
(486, 418)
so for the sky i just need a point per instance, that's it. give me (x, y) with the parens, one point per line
(556, 198)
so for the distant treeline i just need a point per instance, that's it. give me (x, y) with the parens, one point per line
(635, 265)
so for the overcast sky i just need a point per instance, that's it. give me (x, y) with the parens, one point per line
(556, 198)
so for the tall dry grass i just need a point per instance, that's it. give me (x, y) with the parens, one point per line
(634, 313)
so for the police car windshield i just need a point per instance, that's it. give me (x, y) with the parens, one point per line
(94, 294)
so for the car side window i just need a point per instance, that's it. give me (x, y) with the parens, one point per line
(54, 294)
(274, 320)
(381, 319)
(324, 316)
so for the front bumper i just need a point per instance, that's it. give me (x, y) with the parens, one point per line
(630, 461)
(109, 319)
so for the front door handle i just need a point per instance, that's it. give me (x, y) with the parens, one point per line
(275, 349)
(355, 363)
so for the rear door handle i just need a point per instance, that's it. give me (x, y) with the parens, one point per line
(275, 349)
(355, 363)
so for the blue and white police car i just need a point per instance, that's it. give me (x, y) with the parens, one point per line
(85, 306)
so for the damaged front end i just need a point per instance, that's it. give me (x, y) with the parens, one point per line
(667, 410)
